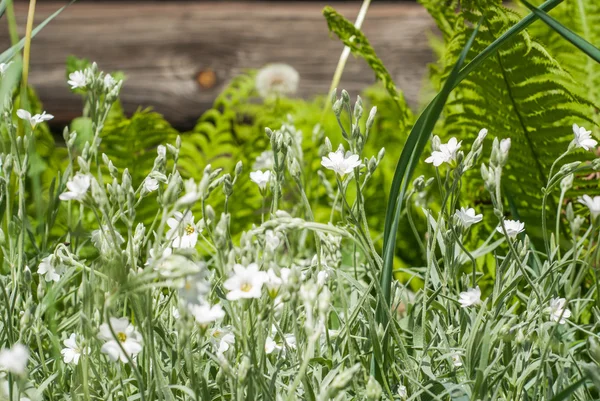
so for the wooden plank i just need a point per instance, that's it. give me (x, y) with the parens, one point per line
(163, 47)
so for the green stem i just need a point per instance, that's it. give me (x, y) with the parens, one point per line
(12, 23)
(339, 70)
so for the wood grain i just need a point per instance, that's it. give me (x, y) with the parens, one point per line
(163, 47)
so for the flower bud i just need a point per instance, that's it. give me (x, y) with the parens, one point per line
(435, 143)
(566, 183)
(569, 167)
(371, 118)
(238, 168)
(328, 146)
(244, 368)
(345, 96)
(373, 390)
(337, 108)
(569, 212)
(358, 108)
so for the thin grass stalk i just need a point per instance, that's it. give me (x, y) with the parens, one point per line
(339, 69)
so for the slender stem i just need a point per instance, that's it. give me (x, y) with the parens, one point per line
(27, 48)
(12, 23)
(337, 75)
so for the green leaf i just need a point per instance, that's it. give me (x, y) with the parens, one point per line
(10, 81)
(360, 46)
(3, 4)
(565, 394)
(416, 144)
(10, 53)
(521, 93)
(566, 33)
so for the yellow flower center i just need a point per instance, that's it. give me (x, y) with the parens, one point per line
(246, 287)
(189, 229)
(122, 336)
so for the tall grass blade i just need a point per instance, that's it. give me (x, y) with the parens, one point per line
(10, 81)
(583, 45)
(408, 160)
(3, 4)
(10, 53)
(414, 147)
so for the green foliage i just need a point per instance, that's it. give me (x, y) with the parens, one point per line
(582, 17)
(522, 93)
(359, 45)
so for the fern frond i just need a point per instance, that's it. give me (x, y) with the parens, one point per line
(521, 93)
(582, 17)
(360, 46)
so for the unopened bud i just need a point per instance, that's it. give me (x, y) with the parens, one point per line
(567, 182)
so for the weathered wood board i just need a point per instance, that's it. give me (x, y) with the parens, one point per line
(163, 47)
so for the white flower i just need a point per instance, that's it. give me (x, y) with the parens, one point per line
(322, 278)
(4, 68)
(194, 288)
(456, 361)
(264, 161)
(49, 268)
(160, 260)
(467, 217)
(289, 340)
(583, 138)
(109, 82)
(270, 345)
(482, 134)
(402, 392)
(222, 339)
(558, 311)
(14, 360)
(592, 203)
(513, 228)
(446, 153)
(150, 184)
(128, 338)
(275, 282)
(34, 120)
(470, 297)
(72, 352)
(505, 146)
(77, 79)
(77, 187)
(183, 231)
(261, 178)
(272, 240)
(175, 313)
(246, 282)
(341, 163)
(206, 314)
(277, 80)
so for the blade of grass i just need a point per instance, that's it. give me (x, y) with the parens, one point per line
(3, 4)
(412, 151)
(10, 53)
(337, 75)
(582, 44)
(408, 160)
(566, 393)
(9, 82)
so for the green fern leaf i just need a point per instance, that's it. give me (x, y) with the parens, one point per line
(360, 46)
(522, 93)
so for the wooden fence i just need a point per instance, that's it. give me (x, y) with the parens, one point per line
(164, 47)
